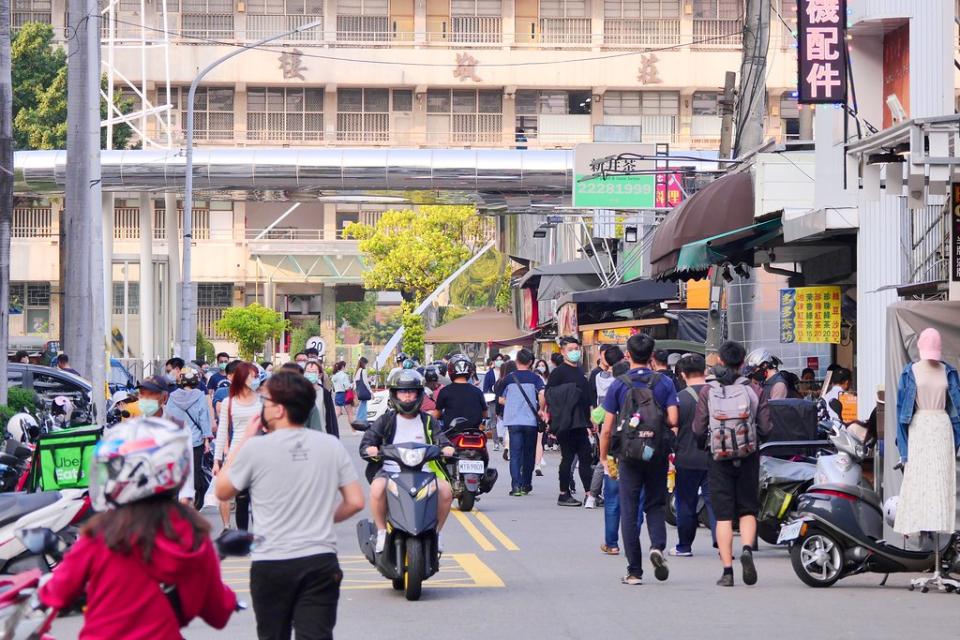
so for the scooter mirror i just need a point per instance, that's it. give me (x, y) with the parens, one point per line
(234, 542)
(39, 540)
(458, 423)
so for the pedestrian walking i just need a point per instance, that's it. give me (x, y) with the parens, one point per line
(691, 461)
(599, 381)
(295, 477)
(543, 371)
(660, 362)
(641, 408)
(241, 407)
(153, 393)
(490, 379)
(361, 384)
(324, 415)
(223, 390)
(219, 379)
(191, 408)
(342, 386)
(568, 402)
(521, 398)
(727, 408)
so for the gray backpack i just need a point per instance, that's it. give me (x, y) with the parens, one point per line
(733, 421)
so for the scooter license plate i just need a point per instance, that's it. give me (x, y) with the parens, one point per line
(789, 532)
(470, 466)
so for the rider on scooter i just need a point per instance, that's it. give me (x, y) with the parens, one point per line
(404, 423)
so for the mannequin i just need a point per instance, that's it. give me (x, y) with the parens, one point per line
(928, 434)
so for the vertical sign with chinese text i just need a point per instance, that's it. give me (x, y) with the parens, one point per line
(810, 314)
(822, 51)
(955, 233)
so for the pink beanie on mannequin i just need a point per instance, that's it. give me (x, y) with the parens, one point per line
(929, 344)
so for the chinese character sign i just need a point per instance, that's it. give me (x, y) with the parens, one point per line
(669, 193)
(810, 314)
(822, 51)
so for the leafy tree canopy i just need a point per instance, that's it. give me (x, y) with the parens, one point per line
(250, 327)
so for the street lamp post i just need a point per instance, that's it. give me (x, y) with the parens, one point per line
(188, 306)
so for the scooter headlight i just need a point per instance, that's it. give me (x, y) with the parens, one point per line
(412, 457)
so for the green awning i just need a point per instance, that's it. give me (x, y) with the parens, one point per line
(732, 246)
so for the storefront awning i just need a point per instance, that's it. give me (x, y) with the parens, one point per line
(696, 258)
(725, 205)
(633, 294)
(484, 325)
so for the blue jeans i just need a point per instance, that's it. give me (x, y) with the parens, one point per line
(523, 455)
(361, 412)
(691, 484)
(611, 511)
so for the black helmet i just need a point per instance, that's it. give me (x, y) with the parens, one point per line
(406, 380)
(401, 357)
(431, 374)
(460, 366)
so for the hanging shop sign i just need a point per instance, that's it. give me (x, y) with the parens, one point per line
(955, 233)
(810, 314)
(669, 190)
(605, 176)
(822, 51)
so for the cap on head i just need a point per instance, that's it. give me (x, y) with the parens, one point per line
(154, 384)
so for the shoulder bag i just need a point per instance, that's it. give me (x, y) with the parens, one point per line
(541, 425)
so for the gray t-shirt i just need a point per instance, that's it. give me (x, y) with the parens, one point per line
(294, 477)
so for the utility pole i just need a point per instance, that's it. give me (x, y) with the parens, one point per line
(6, 189)
(726, 110)
(84, 316)
(752, 98)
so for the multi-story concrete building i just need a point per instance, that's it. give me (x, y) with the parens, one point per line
(537, 74)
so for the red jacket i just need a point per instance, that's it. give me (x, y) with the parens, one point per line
(124, 599)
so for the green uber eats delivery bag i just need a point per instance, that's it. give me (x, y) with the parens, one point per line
(62, 459)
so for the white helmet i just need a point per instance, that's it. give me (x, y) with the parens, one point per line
(23, 427)
(761, 356)
(139, 459)
(890, 510)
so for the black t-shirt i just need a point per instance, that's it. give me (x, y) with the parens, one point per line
(459, 400)
(689, 455)
(567, 374)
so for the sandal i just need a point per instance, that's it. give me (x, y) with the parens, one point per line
(610, 551)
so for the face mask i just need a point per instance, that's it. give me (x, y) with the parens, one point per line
(542, 369)
(149, 406)
(574, 356)
(170, 378)
(312, 377)
(222, 366)
(254, 383)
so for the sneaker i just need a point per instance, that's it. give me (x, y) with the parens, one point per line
(726, 580)
(566, 500)
(633, 581)
(660, 569)
(749, 568)
(527, 489)
(600, 502)
(591, 503)
(506, 454)
(680, 554)
(539, 470)
(516, 493)
(381, 541)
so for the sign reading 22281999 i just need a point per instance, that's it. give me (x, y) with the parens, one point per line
(822, 51)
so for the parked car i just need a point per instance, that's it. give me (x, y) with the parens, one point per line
(119, 378)
(377, 405)
(50, 382)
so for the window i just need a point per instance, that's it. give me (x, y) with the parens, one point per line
(362, 7)
(464, 115)
(706, 120)
(646, 9)
(215, 295)
(133, 295)
(212, 111)
(344, 218)
(285, 7)
(655, 111)
(563, 8)
(284, 113)
(25, 11)
(32, 300)
(207, 19)
(402, 100)
(717, 9)
(706, 103)
(489, 8)
(364, 114)
(790, 117)
(530, 104)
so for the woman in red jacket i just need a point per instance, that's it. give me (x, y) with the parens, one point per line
(146, 562)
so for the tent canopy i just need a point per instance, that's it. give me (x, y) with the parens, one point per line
(485, 325)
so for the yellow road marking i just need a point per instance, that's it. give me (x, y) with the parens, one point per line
(471, 528)
(482, 575)
(495, 530)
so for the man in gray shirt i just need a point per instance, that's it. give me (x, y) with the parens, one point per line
(294, 476)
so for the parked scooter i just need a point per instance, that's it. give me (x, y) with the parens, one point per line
(469, 471)
(411, 553)
(838, 528)
(60, 511)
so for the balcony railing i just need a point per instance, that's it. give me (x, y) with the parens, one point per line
(260, 26)
(32, 222)
(363, 127)
(565, 30)
(717, 34)
(208, 26)
(629, 31)
(365, 29)
(126, 224)
(206, 318)
(285, 233)
(280, 127)
(20, 18)
(476, 29)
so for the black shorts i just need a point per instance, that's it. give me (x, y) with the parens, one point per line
(735, 488)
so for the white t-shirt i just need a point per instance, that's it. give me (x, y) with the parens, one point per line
(241, 414)
(408, 430)
(294, 477)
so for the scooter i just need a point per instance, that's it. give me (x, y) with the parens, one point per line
(411, 553)
(838, 529)
(60, 511)
(469, 471)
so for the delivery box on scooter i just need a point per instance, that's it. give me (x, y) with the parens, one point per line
(62, 459)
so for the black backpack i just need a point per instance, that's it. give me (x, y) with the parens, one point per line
(641, 424)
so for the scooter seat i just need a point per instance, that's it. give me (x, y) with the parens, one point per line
(13, 506)
(867, 495)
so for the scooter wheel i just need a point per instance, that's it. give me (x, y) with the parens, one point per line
(414, 569)
(924, 589)
(466, 501)
(911, 588)
(398, 584)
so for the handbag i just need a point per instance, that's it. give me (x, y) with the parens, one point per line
(348, 396)
(363, 391)
(541, 425)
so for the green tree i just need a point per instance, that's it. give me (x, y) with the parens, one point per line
(484, 283)
(250, 327)
(205, 350)
(357, 314)
(413, 332)
(414, 251)
(300, 335)
(39, 73)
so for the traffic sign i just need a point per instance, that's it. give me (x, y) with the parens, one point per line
(318, 343)
(613, 191)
